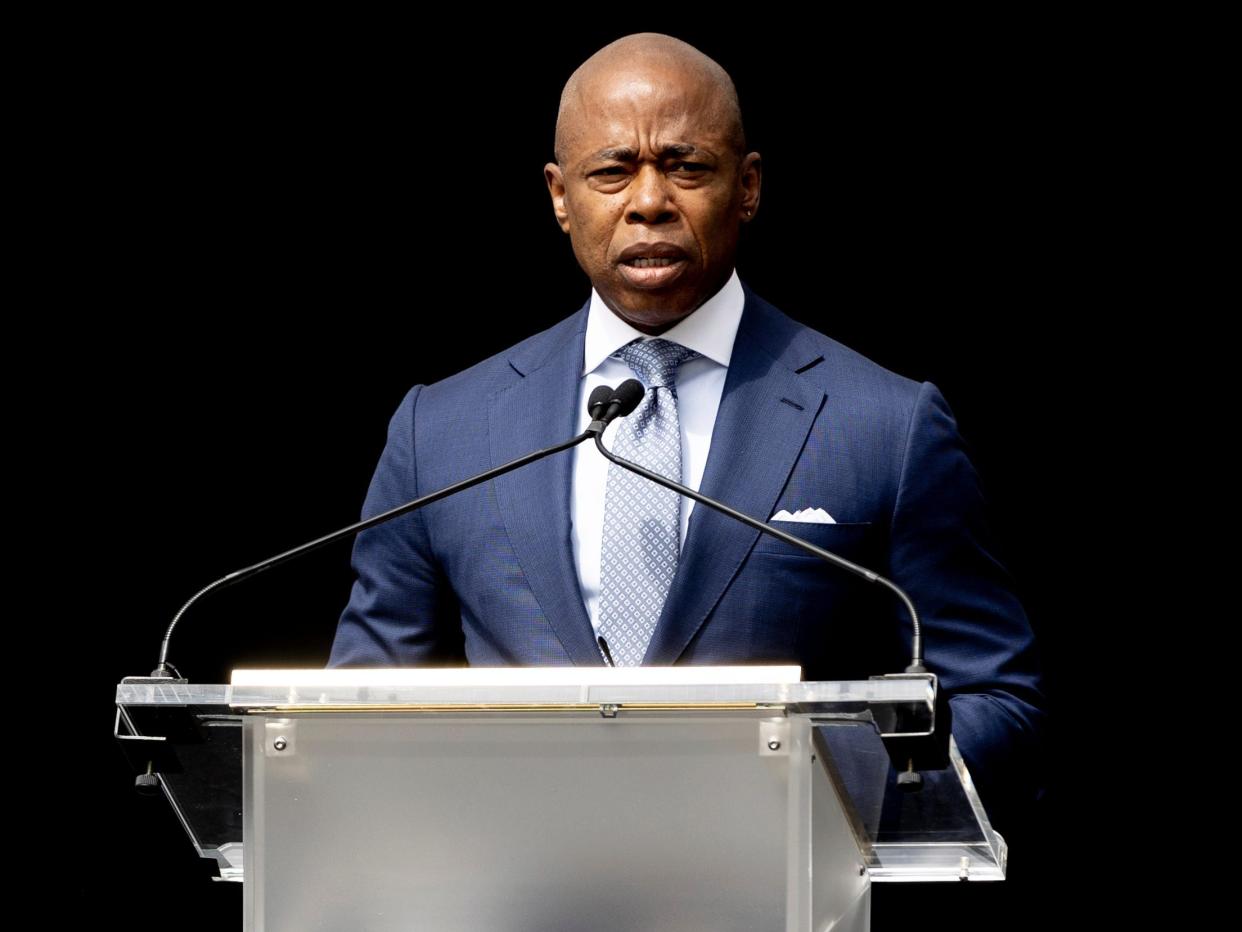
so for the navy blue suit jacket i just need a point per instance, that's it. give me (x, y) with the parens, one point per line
(488, 576)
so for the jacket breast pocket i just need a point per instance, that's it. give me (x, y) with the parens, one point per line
(846, 538)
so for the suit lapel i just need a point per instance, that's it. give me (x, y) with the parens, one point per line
(539, 410)
(766, 411)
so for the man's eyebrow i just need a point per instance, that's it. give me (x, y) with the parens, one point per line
(627, 154)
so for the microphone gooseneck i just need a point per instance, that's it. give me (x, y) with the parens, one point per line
(603, 400)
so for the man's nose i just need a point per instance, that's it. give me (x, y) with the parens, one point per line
(651, 199)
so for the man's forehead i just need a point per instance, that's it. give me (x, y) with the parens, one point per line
(648, 81)
(609, 114)
(654, 87)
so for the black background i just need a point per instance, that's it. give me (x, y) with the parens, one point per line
(277, 229)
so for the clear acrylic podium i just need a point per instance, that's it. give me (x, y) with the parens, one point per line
(680, 798)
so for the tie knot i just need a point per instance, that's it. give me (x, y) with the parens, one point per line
(655, 362)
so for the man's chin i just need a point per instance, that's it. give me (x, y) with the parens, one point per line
(649, 317)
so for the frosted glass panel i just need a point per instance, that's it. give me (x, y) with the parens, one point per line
(646, 822)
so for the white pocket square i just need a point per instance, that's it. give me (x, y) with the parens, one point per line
(805, 515)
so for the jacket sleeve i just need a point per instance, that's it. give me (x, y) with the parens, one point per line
(976, 635)
(401, 608)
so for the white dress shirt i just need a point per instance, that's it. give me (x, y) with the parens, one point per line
(710, 331)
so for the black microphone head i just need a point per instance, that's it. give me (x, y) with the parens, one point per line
(599, 401)
(628, 394)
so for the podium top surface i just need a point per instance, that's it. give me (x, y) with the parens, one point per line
(546, 687)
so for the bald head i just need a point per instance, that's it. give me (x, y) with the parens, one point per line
(648, 54)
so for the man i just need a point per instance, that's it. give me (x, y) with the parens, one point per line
(573, 561)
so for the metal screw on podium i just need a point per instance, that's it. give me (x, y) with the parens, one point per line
(280, 743)
(909, 780)
(147, 784)
(774, 744)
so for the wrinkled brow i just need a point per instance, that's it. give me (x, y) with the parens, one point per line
(627, 154)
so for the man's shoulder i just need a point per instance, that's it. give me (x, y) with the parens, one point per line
(822, 359)
(498, 371)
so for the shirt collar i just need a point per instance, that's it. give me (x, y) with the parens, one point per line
(709, 330)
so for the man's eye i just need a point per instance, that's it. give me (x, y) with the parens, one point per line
(689, 167)
(611, 170)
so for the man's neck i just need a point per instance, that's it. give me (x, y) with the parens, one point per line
(652, 329)
(710, 330)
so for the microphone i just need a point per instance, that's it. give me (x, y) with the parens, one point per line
(598, 402)
(619, 402)
(604, 405)
(631, 398)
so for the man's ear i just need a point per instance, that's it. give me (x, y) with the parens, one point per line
(750, 173)
(556, 187)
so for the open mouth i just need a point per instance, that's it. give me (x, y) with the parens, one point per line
(652, 265)
(652, 272)
(650, 262)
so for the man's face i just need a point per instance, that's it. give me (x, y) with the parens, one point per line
(652, 193)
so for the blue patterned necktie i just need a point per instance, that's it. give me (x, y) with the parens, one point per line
(642, 527)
